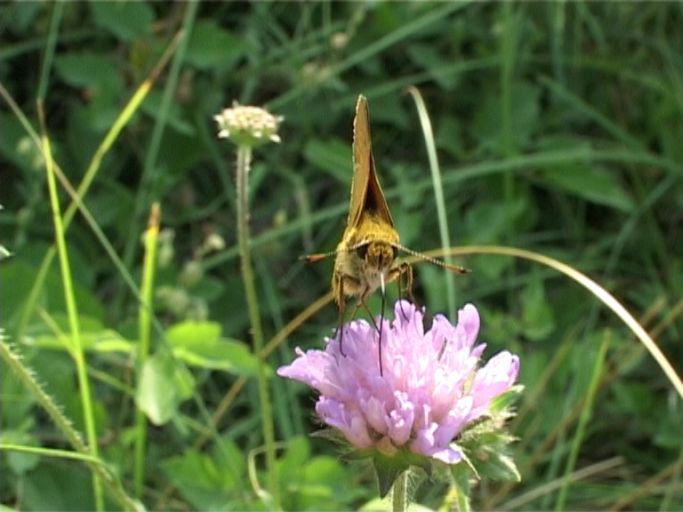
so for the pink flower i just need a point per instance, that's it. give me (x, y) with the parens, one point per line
(431, 388)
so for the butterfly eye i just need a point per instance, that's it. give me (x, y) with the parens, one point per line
(362, 251)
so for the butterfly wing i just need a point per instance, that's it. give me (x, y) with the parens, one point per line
(366, 192)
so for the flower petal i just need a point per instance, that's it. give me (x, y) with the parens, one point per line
(448, 455)
(428, 392)
(349, 422)
(493, 379)
(467, 327)
(401, 419)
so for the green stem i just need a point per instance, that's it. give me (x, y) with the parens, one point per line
(145, 327)
(72, 312)
(399, 494)
(243, 165)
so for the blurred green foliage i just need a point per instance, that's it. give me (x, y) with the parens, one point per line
(559, 129)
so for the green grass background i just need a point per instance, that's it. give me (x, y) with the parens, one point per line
(558, 128)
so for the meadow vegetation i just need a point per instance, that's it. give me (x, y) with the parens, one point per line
(557, 129)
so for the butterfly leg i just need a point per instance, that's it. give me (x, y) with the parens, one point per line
(340, 297)
(404, 269)
(362, 301)
(407, 270)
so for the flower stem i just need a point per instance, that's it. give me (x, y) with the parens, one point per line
(145, 323)
(243, 165)
(72, 313)
(399, 494)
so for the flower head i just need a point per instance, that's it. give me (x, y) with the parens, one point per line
(431, 389)
(245, 125)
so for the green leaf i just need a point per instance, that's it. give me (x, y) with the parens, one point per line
(506, 400)
(538, 320)
(485, 445)
(229, 356)
(213, 48)
(163, 386)
(387, 470)
(22, 274)
(199, 480)
(57, 486)
(173, 114)
(332, 156)
(229, 460)
(460, 493)
(523, 121)
(191, 333)
(104, 340)
(200, 344)
(488, 222)
(385, 504)
(20, 462)
(591, 183)
(498, 466)
(431, 59)
(126, 20)
(87, 69)
(298, 452)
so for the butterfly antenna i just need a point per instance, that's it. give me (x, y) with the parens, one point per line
(454, 268)
(314, 258)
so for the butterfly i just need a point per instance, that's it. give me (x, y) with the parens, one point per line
(366, 258)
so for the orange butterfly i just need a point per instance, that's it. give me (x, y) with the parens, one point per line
(367, 255)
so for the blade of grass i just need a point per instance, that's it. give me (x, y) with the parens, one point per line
(392, 38)
(149, 175)
(625, 362)
(558, 37)
(72, 309)
(96, 374)
(586, 412)
(232, 393)
(50, 43)
(50, 452)
(508, 55)
(523, 501)
(145, 323)
(589, 111)
(598, 291)
(90, 173)
(287, 411)
(92, 223)
(444, 231)
(27, 378)
(652, 486)
(520, 163)
(21, 48)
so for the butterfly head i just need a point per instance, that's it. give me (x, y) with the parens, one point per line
(379, 256)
